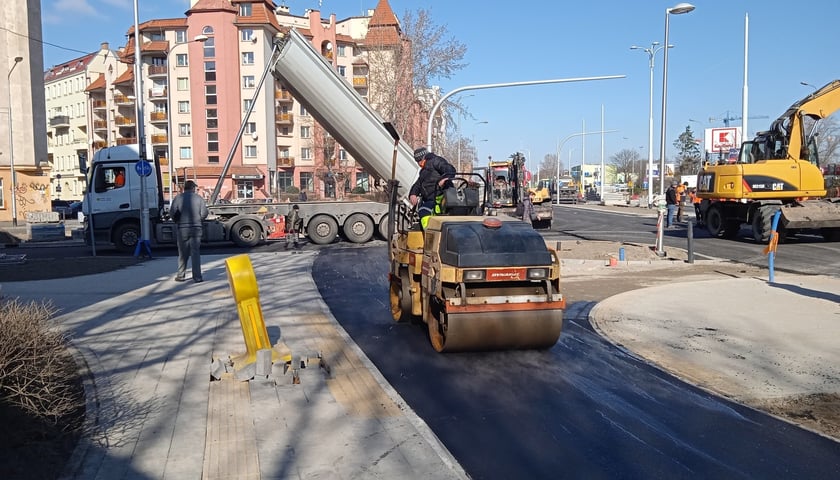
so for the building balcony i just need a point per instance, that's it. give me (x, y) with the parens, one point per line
(158, 93)
(286, 118)
(99, 104)
(127, 141)
(158, 117)
(124, 121)
(285, 162)
(282, 96)
(157, 71)
(160, 139)
(360, 81)
(99, 144)
(60, 121)
(123, 100)
(100, 125)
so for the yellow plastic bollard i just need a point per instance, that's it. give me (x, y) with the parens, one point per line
(243, 287)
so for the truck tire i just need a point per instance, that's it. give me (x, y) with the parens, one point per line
(322, 229)
(246, 233)
(358, 228)
(126, 237)
(762, 224)
(382, 229)
(714, 221)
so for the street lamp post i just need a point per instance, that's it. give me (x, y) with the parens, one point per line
(170, 136)
(12, 144)
(651, 51)
(483, 122)
(679, 9)
(808, 85)
(560, 149)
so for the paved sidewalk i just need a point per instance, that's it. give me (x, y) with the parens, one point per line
(148, 343)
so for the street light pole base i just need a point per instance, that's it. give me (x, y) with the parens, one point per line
(145, 246)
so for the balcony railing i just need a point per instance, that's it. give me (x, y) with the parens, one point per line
(157, 70)
(127, 141)
(285, 162)
(60, 121)
(99, 144)
(157, 92)
(282, 117)
(100, 104)
(158, 116)
(100, 125)
(360, 81)
(124, 121)
(158, 139)
(283, 95)
(123, 100)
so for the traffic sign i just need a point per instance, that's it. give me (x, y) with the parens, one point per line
(143, 168)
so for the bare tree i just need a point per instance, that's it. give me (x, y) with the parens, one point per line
(403, 61)
(548, 167)
(627, 165)
(828, 140)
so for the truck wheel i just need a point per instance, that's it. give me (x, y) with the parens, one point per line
(126, 237)
(358, 228)
(322, 229)
(762, 225)
(246, 233)
(714, 221)
(383, 227)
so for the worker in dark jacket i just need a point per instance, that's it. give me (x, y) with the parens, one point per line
(671, 204)
(436, 174)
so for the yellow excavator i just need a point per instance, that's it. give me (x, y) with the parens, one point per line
(779, 170)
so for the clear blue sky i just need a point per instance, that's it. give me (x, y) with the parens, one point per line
(790, 42)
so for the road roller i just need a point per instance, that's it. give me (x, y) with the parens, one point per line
(478, 282)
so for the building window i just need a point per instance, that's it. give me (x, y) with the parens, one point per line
(305, 131)
(284, 180)
(210, 48)
(210, 94)
(208, 30)
(307, 181)
(251, 128)
(184, 106)
(248, 81)
(210, 71)
(2, 194)
(244, 9)
(342, 154)
(246, 34)
(184, 130)
(341, 70)
(182, 84)
(244, 189)
(250, 151)
(212, 141)
(285, 131)
(247, 58)
(185, 153)
(306, 153)
(341, 51)
(303, 112)
(246, 104)
(213, 159)
(180, 36)
(212, 116)
(181, 60)
(363, 181)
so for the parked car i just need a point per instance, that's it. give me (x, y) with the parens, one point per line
(66, 208)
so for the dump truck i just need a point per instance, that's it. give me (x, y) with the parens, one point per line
(506, 187)
(778, 171)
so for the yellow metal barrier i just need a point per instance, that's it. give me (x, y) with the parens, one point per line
(243, 287)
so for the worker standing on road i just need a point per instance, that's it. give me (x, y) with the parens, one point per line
(671, 202)
(294, 224)
(188, 211)
(695, 200)
(436, 174)
(528, 211)
(681, 194)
